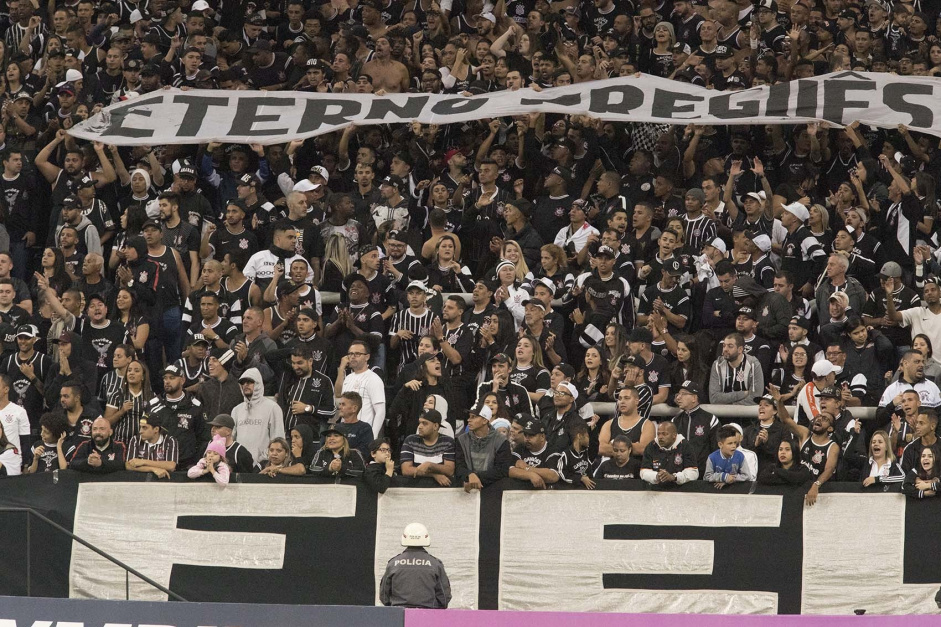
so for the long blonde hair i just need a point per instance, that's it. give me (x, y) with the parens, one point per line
(537, 350)
(335, 250)
(889, 453)
(521, 268)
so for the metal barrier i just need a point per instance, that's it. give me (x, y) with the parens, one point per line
(662, 410)
(128, 571)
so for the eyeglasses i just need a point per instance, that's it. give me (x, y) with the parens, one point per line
(562, 394)
(355, 354)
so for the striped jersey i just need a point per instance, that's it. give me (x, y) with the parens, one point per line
(165, 449)
(417, 324)
(129, 425)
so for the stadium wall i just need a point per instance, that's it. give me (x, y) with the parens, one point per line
(299, 541)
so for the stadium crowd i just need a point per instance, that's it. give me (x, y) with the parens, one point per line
(161, 307)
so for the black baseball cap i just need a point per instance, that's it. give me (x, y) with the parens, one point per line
(673, 268)
(746, 311)
(432, 415)
(500, 358)
(533, 427)
(830, 392)
(692, 387)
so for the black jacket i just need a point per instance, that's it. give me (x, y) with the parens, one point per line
(113, 457)
(699, 429)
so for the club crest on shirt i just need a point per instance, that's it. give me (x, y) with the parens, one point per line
(678, 459)
(700, 430)
(818, 457)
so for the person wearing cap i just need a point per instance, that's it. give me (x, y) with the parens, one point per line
(258, 419)
(336, 459)
(575, 237)
(414, 578)
(695, 424)
(668, 459)
(182, 415)
(819, 452)
(765, 436)
(746, 323)
(535, 461)
(179, 234)
(656, 369)
(558, 422)
(101, 454)
(28, 370)
(808, 396)
(193, 362)
(395, 206)
(762, 269)
(903, 297)
(152, 450)
(88, 237)
(553, 207)
(236, 456)
(921, 320)
(773, 311)
(428, 453)
(309, 399)
(736, 378)
(666, 299)
(611, 296)
(225, 180)
(409, 325)
(797, 331)
(482, 454)
(836, 280)
(802, 256)
(719, 306)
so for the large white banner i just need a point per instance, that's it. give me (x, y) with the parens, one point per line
(172, 116)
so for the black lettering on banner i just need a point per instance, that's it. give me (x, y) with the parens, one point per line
(600, 100)
(893, 95)
(568, 100)
(719, 106)
(806, 99)
(246, 116)
(410, 110)
(779, 100)
(456, 106)
(834, 98)
(196, 109)
(316, 114)
(665, 104)
(119, 114)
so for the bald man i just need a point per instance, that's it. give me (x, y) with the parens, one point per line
(102, 454)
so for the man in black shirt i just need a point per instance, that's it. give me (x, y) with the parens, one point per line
(695, 424)
(309, 400)
(101, 336)
(183, 416)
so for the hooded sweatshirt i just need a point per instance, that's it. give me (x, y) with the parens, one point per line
(258, 420)
(87, 233)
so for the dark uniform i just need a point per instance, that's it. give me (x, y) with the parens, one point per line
(415, 578)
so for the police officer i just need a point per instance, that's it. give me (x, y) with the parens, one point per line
(415, 578)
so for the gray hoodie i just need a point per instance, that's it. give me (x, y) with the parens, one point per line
(258, 420)
(92, 237)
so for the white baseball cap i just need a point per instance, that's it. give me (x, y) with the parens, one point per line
(719, 244)
(305, 185)
(798, 210)
(200, 5)
(73, 75)
(823, 367)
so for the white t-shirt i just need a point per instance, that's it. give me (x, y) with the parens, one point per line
(921, 320)
(15, 424)
(368, 385)
(579, 238)
(12, 461)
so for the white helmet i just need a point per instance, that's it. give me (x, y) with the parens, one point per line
(416, 534)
